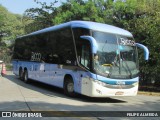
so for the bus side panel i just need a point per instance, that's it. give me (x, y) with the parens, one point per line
(15, 67)
(80, 77)
(44, 73)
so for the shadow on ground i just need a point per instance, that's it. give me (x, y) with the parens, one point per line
(53, 91)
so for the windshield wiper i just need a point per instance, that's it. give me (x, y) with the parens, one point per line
(128, 68)
(104, 45)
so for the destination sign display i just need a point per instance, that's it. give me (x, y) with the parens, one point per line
(126, 41)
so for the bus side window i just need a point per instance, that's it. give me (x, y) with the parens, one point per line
(85, 56)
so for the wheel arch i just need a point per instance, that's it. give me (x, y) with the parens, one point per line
(68, 76)
(25, 68)
(67, 80)
(20, 68)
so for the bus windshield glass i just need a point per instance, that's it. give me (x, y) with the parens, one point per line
(116, 56)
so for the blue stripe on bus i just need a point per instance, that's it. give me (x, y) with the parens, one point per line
(114, 81)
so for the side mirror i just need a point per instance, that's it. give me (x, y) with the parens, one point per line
(93, 42)
(146, 51)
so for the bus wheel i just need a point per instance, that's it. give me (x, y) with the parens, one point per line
(25, 76)
(21, 74)
(69, 87)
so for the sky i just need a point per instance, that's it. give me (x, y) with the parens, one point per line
(19, 6)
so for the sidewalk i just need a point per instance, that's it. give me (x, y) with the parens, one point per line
(10, 96)
(13, 97)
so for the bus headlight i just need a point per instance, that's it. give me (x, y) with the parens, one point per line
(135, 84)
(100, 83)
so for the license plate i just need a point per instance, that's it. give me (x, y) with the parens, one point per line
(119, 93)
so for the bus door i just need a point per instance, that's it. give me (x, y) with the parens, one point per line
(84, 58)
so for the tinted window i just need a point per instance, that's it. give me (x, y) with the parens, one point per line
(18, 49)
(31, 48)
(53, 47)
(61, 47)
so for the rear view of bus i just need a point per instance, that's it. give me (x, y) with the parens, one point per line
(89, 58)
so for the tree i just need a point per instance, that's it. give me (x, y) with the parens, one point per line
(142, 18)
(8, 30)
(39, 18)
(80, 10)
(10, 27)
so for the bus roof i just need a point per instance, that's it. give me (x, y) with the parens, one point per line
(88, 25)
(101, 27)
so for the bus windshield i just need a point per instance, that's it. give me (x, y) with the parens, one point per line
(116, 56)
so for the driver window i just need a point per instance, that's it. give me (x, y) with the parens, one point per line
(85, 61)
(85, 54)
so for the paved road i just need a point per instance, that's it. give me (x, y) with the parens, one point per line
(15, 95)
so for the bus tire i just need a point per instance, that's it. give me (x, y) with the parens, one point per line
(20, 74)
(25, 76)
(69, 87)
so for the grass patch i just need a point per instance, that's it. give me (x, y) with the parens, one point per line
(8, 67)
(149, 93)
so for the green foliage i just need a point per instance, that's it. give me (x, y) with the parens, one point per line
(39, 18)
(10, 27)
(142, 18)
(79, 10)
